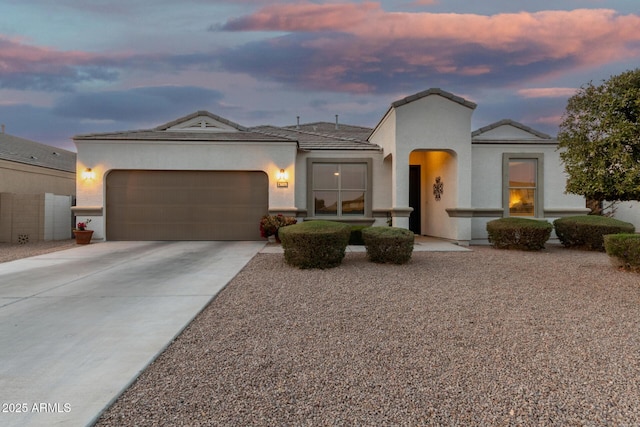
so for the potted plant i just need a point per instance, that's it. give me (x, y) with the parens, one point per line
(269, 225)
(83, 236)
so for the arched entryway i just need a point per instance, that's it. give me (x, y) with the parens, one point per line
(433, 187)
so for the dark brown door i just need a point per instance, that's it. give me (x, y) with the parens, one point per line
(414, 199)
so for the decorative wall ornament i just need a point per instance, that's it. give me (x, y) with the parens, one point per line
(438, 189)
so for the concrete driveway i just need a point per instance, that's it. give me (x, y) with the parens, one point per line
(79, 325)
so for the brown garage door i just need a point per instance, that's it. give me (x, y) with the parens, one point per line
(185, 205)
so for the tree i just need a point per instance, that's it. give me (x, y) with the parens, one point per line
(600, 139)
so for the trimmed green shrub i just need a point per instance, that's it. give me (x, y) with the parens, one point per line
(388, 244)
(519, 233)
(270, 224)
(624, 250)
(356, 235)
(315, 244)
(587, 231)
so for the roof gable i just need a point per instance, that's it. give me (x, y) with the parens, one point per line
(198, 126)
(508, 130)
(434, 91)
(201, 121)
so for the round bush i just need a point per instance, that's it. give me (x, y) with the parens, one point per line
(388, 244)
(518, 233)
(315, 244)
(588, 231)
(624, 250)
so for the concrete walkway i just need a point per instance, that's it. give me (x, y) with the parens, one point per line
(78, 326)
(421, 244)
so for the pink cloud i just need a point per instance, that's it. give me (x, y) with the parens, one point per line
(16, 57)
(547, 92)
(305, 17)
(587, 36)
(549, 120)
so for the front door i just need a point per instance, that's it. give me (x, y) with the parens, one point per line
(414, 198)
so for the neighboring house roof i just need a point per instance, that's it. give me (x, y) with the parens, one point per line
(20, 150)
(323, 141)
(434, 91)
(512, 132)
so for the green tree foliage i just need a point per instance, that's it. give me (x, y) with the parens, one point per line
(600, 138)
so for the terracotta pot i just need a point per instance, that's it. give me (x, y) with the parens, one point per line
(83, 237)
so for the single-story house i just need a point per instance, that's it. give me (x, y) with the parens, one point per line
(37, 187)
(203, 177)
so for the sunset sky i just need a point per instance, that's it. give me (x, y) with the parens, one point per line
(69, 67)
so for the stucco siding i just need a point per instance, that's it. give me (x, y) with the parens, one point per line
(487, 185)
(380, 188)
(629, 212)
(28, 179)
(103, 156)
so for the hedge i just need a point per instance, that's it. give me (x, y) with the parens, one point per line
(518, 233)
(315, 244)
(388, 244)
(588, 231)
(624, 250)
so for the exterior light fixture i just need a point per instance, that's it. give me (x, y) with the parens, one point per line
(282, 179)
(88, 174)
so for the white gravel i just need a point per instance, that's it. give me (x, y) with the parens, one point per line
(486, 337)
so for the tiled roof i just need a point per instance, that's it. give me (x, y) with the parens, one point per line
(320, 141)
(344, 131)
(310, 136)
(161, 135)
(200, 113)
(510, 122)
(20, 150)
(227, 131)
(434, 91)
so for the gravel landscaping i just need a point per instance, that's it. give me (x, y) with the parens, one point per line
(486, 337)
(14, 251)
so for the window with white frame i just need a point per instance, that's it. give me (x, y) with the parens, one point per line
(522, 181)
(339, 188)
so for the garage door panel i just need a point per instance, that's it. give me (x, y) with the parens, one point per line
(185, 205)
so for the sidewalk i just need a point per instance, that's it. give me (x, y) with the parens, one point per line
(421, 244)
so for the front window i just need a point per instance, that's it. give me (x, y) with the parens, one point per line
(523, 185)
(339, 189)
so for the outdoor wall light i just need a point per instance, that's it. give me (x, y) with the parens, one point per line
(88, 174)
(282, 179)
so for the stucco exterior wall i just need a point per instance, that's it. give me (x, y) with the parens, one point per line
(487, 185)
(435, 220)
(104, 156)
(381, 190)
(28, 179)
(433, 123)
(629, 212)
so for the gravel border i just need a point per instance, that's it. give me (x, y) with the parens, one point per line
(486, 337)
(14, 251)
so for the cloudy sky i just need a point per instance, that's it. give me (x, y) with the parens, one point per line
(69, 67)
